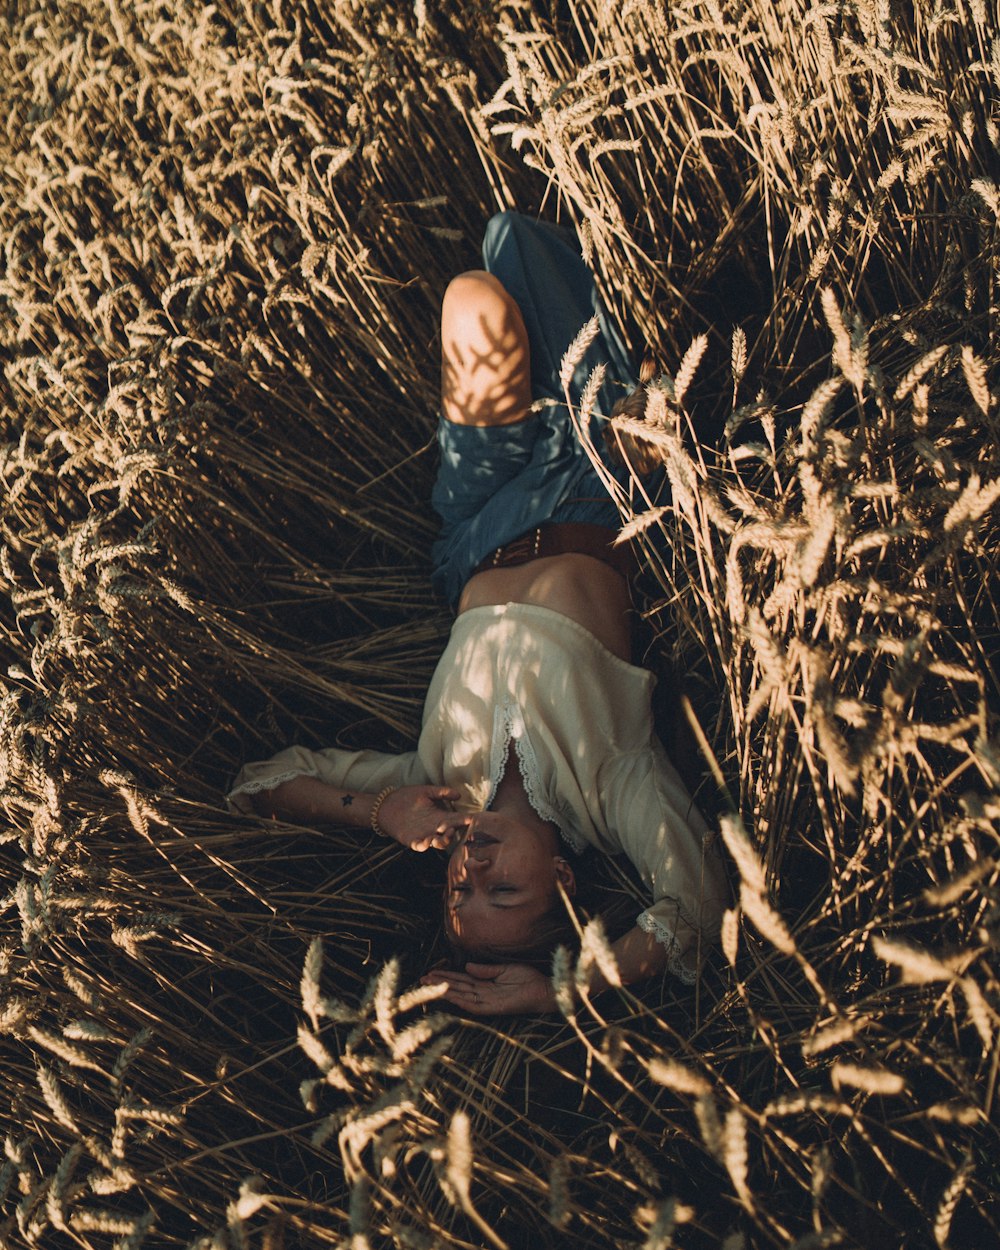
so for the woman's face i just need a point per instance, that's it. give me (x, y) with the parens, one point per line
(501, 881)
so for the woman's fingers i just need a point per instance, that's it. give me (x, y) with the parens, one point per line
(445, 974)
(454, 980)
(494, 989)
(476, 996)
(470, 997)
(469, 979)
(440, 834)
(455, 823)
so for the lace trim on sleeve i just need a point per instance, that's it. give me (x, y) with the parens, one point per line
(676, 965)
(266, 783)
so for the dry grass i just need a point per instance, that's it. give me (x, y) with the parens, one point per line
(225, 232)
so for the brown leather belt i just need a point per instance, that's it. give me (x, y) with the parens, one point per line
(558, 540)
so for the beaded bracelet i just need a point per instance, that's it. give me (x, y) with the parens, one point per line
(376, 807)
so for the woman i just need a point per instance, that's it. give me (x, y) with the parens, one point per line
(537, 727)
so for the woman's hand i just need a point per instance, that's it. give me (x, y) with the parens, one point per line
(421, 817)
(496, 989)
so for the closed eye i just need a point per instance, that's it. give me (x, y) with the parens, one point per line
(457, 892)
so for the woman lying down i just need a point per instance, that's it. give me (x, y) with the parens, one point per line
(537, 737)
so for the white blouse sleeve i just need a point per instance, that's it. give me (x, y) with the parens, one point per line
(649, 810)
(364, 771)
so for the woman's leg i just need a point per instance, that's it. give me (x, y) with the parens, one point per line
(505, 469)
(485, 365)
(487, 433)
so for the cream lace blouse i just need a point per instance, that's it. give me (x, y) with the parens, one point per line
(581, 724)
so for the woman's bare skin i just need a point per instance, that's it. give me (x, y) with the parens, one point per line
(581, 587)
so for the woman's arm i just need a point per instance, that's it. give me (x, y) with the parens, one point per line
(346, 772)
(309, 801)
(649, 809)
(418, 817)
(638, 956)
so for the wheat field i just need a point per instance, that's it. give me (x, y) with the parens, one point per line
(225, 233)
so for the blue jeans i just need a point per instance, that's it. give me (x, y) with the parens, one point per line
(497, 482)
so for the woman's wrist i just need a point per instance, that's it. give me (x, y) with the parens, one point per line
(349, 807)
(376, 809)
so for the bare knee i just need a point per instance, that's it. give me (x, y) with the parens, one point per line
(472, 298)
(484, 352)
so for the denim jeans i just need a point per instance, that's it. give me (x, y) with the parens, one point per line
(497, 482)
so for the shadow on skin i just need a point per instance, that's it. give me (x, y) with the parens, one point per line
(485, 364)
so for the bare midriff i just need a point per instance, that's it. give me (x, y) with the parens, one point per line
(581, 587)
